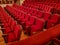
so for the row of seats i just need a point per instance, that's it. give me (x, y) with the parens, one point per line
(11, 30)
(42, 38)
(47, 7)
(49, 18)
(43, 1)
(54, 5)
(30, 24)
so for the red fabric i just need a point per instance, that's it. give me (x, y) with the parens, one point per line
(53, 21)
(17, 31)
(38, 26)
(11, 37)
(7, 30)
(30, 22)
(47, 16)
(41, 38)
(39, 14)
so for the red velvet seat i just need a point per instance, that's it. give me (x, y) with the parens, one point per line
(46, 16)
(30, 22)
(38, 26)
(14, 35)
(39, 14)
(27, 17)
(53, 21)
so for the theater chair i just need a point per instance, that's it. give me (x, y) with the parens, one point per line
(8, 28)
(36, 27)
(11, 30)
(39, 14)
(8, 24)
(33, 12)
(53, 21)
(14, 35)
(27, 18)
(47, 16)
(31, 21)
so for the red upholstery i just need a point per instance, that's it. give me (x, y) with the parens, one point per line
(39, 14)
(27, 18)
(30, 22)
(10, 38)
(38, 26)
(14, 35)
(10, 27)
(47, 16)
(53, 21)
(42, 38)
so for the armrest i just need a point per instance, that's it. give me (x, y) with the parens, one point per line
(2, 28)
(4, 35)
(28, 26)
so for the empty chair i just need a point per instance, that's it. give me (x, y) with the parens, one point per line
(46, 16)
(53, 21)
(30, 22)
(34, 13)
(14, 35)
(39, 14)
(27, 17)
(38, 26)
(21, 17)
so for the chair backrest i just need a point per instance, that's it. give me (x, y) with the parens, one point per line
(34, 13)
(39, 14)
(39, 22)
(27, 17)
(22, 15)
(32, 19)
(12, 25)
(47, 16)
(55, 17)
(17, 31)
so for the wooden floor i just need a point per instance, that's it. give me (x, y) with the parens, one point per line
(23, 36)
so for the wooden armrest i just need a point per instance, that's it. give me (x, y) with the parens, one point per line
(3, 35)
(2, 28)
